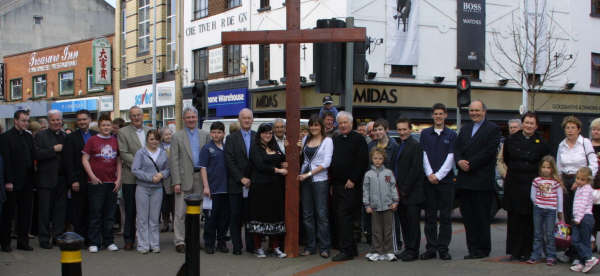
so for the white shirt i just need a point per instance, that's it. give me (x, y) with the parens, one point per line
(281, 143)
(141, 136)
(569, 160)
(322, 158)
(154, 155)
(446, 166)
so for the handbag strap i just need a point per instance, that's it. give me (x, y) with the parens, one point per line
(587, 160)
(314, 155)
(154, 163)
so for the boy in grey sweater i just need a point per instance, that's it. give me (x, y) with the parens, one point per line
(380, 198)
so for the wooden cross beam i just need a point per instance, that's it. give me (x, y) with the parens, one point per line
(292, 37)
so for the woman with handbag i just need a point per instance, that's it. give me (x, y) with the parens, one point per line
(317, 150)
(574, 152)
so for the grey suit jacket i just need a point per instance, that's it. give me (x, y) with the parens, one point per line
(182, 167)
(129, 144)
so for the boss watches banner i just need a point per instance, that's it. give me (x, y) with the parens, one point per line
(470, 34)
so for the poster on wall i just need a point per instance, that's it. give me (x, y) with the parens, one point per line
(102, 61)
(470, 31)
(402, 32)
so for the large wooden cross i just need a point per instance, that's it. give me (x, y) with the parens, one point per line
(292, 37)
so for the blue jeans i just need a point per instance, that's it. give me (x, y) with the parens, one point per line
(314, 200)
(102, 205)
(580, 237)
(543, 233)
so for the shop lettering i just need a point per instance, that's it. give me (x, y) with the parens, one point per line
(144, 98)
(230, 98)
(373, 95)
(472, 7)
(213, 25)
(68, 58)
(267, 101)
(580, 107)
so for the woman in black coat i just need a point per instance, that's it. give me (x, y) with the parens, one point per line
(523, 152)
(267, 192)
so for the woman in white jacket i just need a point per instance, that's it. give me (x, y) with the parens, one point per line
(317, 150)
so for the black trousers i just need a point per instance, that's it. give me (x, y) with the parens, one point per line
(218, 220)
(345, 207)
(238, 208)
(19, 202)
(519, 234)
(411, 228)
(79, 209)
(129, 199)
(439, 198)
(475, 208)
(52, 211)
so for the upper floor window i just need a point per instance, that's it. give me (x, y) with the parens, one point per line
(233, 54)
(16, 89)
(171, 34)
(595, 70)
(233, 3)
(143, 26)
(595, 8)
(264, 4)
(402, 71)
(200, 64)
(65, 81)
(264, 60)
(91, 87)
(39, 86)
(200, 8)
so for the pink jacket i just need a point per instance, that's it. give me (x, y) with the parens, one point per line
(583, 202)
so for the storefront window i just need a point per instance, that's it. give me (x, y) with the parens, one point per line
(91, 87)
(234, 3)
(39, 86)
(143, 26)
(16, 89)
(65, 80)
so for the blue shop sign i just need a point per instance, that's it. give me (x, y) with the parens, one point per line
(76, 105)
(228, 102)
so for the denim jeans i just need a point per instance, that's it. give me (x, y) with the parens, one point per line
(580, 237)
(102, 205)
(314, 201)
(543, 233)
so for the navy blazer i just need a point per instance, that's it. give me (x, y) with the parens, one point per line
(480, 150)
(236, 160)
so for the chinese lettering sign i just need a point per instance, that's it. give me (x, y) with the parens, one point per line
(102, 69)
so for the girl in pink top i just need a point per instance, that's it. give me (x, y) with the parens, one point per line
(583, 220)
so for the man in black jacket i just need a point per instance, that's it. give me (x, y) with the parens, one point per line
(349, 163)
(17, 152)
(52, 188)
(408, 169)
(475, 154)
(77, 179)
(237, 152)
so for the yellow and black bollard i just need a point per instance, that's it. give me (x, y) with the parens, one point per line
(70, 244)
(191, 267)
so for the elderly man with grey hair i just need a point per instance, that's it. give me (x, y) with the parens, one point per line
(185, 169)
(279, 133)
(52, 186)
(131, 139)
(514, 125)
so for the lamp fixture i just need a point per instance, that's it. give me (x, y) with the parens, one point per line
(502, 82)
(371, 75)
(438, 79)
(569, 85)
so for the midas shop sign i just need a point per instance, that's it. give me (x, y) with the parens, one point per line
(375, 95)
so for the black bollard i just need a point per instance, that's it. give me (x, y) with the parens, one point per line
(70, 244)
(191, 267)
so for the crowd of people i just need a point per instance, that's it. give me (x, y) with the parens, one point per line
(349, 179)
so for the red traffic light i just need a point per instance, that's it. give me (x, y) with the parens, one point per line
(463, 84)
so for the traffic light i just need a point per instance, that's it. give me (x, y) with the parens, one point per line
(329, 61)
(198, 98)
(463, 89)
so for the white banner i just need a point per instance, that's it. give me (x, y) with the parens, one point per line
(402, 32)
(215, 60)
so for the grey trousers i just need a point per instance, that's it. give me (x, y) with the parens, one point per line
(180, 210)
(382, 226)
(148, 202)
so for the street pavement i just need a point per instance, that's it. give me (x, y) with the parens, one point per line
(46, 262)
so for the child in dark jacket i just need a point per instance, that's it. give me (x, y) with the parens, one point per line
(380, 198)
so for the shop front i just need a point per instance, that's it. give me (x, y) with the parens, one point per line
(94, 105)
(142, 96)
(36, 109)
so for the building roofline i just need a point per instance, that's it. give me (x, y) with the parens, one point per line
(59, 45)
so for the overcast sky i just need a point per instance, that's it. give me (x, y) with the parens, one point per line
(111, 2)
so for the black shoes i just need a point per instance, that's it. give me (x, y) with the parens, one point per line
(209, 250)
(6, 248)
(24, 247)
(342, 257)
(410, 256)
(45, 245)
(474, 256)
(237, 252)
(428, 255)
(445, 256)
(180, 248)
(222, 247)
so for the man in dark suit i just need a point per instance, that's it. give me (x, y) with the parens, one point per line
(237, 151)
(77, 179)
(408, 170)
(475, 154)
(52, 188)
(17, 152)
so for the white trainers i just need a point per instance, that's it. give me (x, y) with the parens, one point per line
(390, 257)
(368, 255)
(155, 250)
(113, 247)
(143, 251)
(260, 253)
(374, 257)
(589, 264)
(279, 253)
(577, 267)
(93, 249)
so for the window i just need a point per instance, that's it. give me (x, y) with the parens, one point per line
(233, 3)
(402, 71)
(65, 82)
(533, 79)
(200, 8)
(143, 30)
(91, 87)
(37, 19)
(264, 5)
(16, 89)
(39, 86)
(474, 74)
(595, 8)
(233, 54)
(595, 70)
(264, 61)
(123, 43)
(171, 35)
(200, 64)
